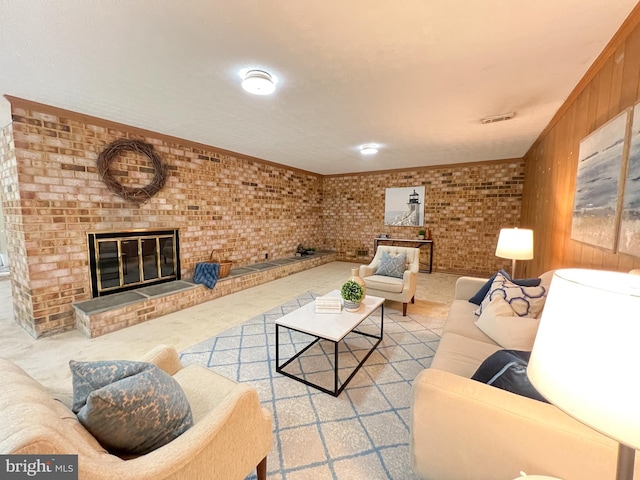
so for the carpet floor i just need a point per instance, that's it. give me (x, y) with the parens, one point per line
(363, 433)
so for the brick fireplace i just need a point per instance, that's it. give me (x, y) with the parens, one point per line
(238, 207)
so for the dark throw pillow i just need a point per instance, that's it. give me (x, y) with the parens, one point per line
(523, 282)
(129, 407)
(507, 370)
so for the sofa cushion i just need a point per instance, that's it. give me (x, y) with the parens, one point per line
(382, 282)
(524, 282)
(130, 407)
(461, 320)
(392, 266)
(507, 370)
(499, 322)
(525, 301)
(461, 355)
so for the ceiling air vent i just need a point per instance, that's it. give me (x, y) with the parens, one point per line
(498, 118)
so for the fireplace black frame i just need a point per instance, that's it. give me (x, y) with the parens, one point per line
(95, 238)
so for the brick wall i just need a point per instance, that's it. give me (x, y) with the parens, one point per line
(238, 207)
(465, 207)
(15, 231)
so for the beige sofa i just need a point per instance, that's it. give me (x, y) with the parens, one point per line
(231, 435)
(462, 429)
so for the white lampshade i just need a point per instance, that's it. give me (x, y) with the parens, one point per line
(515, 244)
(585, 359)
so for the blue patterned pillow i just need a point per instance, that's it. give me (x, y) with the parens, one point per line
(129, 407)
(392, 266)
(525, 282)
(525, 301)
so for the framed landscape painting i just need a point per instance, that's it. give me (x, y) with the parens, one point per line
(629, 239)
(404, 206)
(595, 210)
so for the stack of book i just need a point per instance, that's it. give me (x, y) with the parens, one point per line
(328, 305)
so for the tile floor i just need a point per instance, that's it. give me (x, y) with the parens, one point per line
(47, 358)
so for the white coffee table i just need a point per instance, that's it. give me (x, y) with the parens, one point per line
(332, 327)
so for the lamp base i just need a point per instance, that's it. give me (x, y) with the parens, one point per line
(626, 459)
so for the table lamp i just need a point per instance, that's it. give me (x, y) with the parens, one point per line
(515, 244)
(585, 357)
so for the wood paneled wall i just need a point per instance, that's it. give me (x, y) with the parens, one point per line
(611, 85)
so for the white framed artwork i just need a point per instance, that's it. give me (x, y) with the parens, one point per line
(404, 206)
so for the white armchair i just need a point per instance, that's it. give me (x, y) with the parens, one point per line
(397, 289)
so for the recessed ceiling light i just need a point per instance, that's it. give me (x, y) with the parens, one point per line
(258, 82)
(369, 149)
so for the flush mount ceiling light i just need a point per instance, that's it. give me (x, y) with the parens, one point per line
(369, 149)
(258, 82)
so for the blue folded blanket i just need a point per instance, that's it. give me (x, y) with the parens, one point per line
(206, 274)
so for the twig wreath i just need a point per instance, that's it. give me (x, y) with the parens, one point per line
(136, 195)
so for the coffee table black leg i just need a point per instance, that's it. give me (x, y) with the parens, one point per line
(277, 347)
(335, 385)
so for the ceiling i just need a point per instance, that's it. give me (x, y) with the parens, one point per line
(414, 76)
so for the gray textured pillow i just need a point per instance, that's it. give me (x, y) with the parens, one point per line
(129, 407)
(392, 266)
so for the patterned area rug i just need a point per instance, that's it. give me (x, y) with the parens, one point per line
(363, 433)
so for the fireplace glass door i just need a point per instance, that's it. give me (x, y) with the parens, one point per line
(127, 260)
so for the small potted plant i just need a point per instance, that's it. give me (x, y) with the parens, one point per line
(421, 234)
(352, 293)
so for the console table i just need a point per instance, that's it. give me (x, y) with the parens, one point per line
(406, 242)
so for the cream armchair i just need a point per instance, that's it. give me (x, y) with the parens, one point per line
(231, 435)
(398, 289)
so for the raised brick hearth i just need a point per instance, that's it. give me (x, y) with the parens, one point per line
(114, 312)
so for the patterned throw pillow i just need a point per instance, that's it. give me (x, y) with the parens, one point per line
(129, 407)
(525, 301)
(525, 282)
(392, 266)
(500, 323)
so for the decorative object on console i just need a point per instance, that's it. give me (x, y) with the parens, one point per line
(136, 195)
(515, 244)
(601, 390)
(421, 234)
(352, 293)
